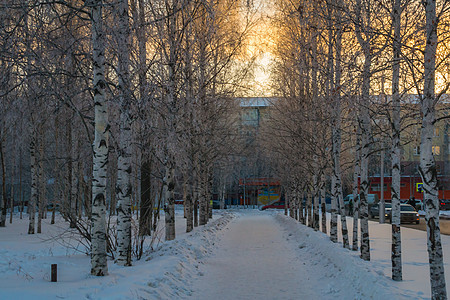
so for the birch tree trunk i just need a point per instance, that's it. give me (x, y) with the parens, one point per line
(68, 171)
(171, 122)
(364, 35)
(396, 253)
(57, 194)
(195, 205)
(209, 194)
(31, 208)
(188, 205)
(146, 205)
(100, 159)
(309, 206)
(316, 222)
(203, 207)
(324, 206)
(12, 196)
(222, 198)
(333, 221)
(4, 201)
(159, 199)
(364, 187)
(20, 185)
(74, 174)
(427, 167)
(124, 163)
(366, 133)
(356, 204)
(41, 182)
(291, 204)
(300, 197)
(328, 85)
(170, 201)
(337, 135)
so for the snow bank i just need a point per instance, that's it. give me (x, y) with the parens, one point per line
(179, 261)
(163, 274)
(339, 272)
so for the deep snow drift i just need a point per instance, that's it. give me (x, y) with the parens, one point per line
(240, 254)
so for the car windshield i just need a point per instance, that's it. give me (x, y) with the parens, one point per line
(407, 208)
(387, 205)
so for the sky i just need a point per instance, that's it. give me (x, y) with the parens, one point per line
(260, 44)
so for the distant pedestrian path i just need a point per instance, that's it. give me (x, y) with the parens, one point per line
(254, 261)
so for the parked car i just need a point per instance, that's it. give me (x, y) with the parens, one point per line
(276, 205)
(374, 211)
(407, 214)
(444, 204)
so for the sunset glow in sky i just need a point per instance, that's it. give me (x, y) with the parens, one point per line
(260, 45)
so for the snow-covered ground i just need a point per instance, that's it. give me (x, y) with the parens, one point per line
(25, 263)
(442, 213)
(240, 254)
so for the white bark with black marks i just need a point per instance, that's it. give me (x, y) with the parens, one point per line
(365, 152)
(41, 183)
(356, 174)
(336, 130)
(427, 167)
(323, 203)
(396, 253)
(124, 185)
(189, 208)
(99, 265)
(316, 222)
(34, 181)
(364, 35)
(3, 200)
(333, 220)
(170, 201)
(74, 174)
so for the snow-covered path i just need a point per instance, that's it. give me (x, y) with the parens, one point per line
(253, 261)
(239, 254)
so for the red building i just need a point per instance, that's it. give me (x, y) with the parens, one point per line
(409, 186)
(259, 191)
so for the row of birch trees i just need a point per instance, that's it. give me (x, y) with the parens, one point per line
(115, 107)
(348, 74)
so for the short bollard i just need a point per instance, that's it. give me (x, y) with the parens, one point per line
(54, 272)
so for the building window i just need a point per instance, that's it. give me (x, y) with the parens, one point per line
(376, 187)
(436, 132)
(436, 150)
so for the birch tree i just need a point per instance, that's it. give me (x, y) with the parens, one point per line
(124, 173)
(396, 154)
(335, 97)
(356, 174)
(427, 167)
(34, 181)
(100, 159)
